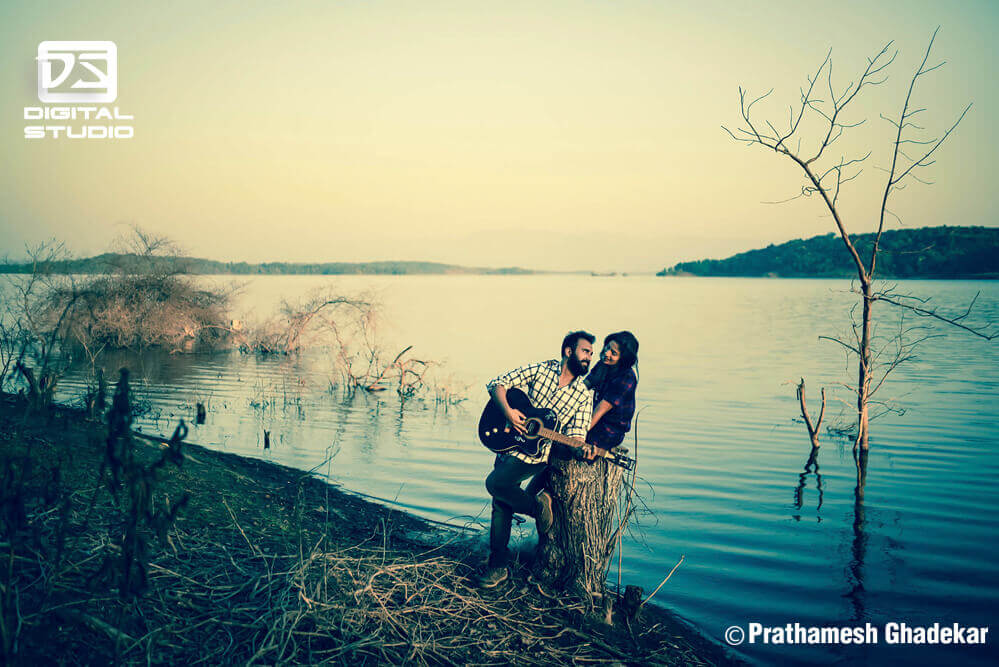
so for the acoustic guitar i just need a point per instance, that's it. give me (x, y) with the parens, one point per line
(499, 436)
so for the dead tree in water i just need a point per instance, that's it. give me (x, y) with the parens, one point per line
(576, 554)
(825, 178)
(813, 429)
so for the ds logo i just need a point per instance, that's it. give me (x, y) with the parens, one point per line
(89, 72)
(78, 76)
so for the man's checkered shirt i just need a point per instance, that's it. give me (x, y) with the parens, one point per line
(573, 403)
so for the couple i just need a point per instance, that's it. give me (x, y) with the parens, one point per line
(596, 408)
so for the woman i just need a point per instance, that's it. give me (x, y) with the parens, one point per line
(613, 381)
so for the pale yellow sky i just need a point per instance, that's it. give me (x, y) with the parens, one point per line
(563, 135)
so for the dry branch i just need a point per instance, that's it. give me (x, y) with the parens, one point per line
(813, 431)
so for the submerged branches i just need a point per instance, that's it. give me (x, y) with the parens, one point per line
(888, 348)
(813, 429)
(297, 319)
(35, 322)
(141, 300)
(313, 321)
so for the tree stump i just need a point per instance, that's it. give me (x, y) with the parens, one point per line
(574, 556)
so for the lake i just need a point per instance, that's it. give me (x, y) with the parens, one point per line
(723, 465)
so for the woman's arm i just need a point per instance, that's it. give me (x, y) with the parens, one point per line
(590, 452)
(603, 407)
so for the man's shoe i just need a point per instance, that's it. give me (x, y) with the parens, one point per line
(492, 577)
(544, 517)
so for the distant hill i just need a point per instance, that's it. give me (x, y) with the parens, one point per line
(132, 263)
(927, 252)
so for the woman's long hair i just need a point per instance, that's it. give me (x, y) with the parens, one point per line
(628, 345)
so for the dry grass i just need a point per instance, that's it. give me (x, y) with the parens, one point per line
(264, 565)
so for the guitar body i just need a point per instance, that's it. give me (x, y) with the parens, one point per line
(496, 433)
(542, 429)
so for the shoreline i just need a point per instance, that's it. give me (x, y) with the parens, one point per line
(335, 577)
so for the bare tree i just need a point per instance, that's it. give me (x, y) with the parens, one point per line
(36, 319)
(11, 336)
(50, 316)
(826, 177)
(145, 298)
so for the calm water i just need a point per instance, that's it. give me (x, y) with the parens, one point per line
(721, 460)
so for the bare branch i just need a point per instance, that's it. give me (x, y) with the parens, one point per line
(955, 321)
(874, 66)
(837, 340)
(805, 97)
(894, 180)
(805, 192)
(813, 431)
(921, 162)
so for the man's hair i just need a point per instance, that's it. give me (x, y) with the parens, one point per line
(572, 339)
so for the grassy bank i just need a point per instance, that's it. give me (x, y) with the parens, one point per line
(182, 554)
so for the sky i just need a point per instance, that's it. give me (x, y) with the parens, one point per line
(550, 135)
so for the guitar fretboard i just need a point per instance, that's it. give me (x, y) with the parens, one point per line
(555, 436)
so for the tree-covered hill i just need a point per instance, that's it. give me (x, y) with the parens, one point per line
(927, 252)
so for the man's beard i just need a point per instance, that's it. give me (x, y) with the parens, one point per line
(576, 367)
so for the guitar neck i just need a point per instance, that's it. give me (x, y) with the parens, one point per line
(555, 436)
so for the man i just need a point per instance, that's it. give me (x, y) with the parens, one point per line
(556, 384)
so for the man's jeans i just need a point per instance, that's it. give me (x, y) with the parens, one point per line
(503, 484)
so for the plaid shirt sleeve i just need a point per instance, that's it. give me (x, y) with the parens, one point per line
(580, 422)
(519, 377)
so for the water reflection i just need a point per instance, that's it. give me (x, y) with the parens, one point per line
(150, 367)
(859, 543)
(811, 468)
